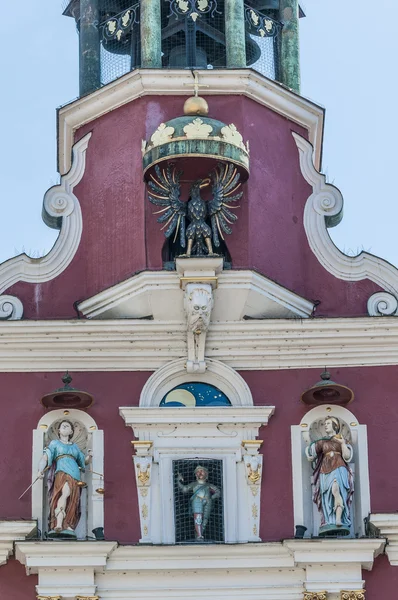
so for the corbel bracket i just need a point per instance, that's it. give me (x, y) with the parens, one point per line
(198, 279)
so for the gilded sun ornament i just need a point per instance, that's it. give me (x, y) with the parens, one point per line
(197, 129)
(162, 135)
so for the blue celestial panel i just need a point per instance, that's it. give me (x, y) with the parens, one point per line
(195, 394)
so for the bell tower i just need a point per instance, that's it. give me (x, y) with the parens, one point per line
(118, 36)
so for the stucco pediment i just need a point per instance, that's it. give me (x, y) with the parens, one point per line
(158, 295)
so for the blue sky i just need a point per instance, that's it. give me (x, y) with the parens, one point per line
(348, 58)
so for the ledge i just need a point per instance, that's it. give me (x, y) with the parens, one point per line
(152, 417)
(10, 532)
(387, 524)
(137, 345)
(339, 551)
(48, 554)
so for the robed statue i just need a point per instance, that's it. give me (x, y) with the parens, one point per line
(201, 500)
(64, 462)
(333, 481)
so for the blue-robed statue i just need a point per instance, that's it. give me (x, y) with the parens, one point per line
(332, 479)
(203, 496)
(65, 462)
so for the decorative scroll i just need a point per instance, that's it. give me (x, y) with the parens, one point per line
(120, 25)
(353, 595)
(382, 304)
(193, 8)
(253, 462)
(11, 308)
(260, 24)
(143, 472)
(315, 596)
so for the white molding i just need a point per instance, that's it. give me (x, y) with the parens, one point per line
(11, 308)
(197, 433)
(217, 373)
(323, 209)
(253, 417)
(387, 523)
(66, 569)
(10, 532)
(270, 571)
(166, 82)
(59, 204)
(95, 501)
(137, 345)
(382, 304)
(159, 294)
(304, 509)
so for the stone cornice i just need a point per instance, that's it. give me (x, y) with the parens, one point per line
(142, 82)
(158, 294)
(36, 555)
(151, 417)
(11, 531)
(323, 551)
(387, 524)
(131, 345)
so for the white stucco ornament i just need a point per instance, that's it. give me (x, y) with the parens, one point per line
(198, 279)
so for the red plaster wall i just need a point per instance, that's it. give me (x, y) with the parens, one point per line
(375, 405)
(14, 584)
(121, 236)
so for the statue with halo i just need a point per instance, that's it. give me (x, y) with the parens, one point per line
(333, 481)
(64, 461)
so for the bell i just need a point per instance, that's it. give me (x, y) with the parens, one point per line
(67, 396)
(327, 391)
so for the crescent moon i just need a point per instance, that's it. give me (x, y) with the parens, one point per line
(183, 396)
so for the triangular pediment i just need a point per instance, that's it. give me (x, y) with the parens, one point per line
(158, 295)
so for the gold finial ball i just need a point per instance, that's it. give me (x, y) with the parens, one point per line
(196, 106)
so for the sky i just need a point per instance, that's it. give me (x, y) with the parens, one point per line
(348, 65)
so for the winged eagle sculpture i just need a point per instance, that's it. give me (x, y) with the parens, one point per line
(208, 221)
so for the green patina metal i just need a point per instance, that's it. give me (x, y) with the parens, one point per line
(89, 41)
(235, 33)
(151, 37)
(290, 51)
(205, 146)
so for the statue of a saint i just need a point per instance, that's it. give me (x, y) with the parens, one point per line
(332, 479)
(203, 496)
(65, 461)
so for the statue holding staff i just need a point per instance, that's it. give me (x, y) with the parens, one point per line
(201, 501)
(64, 461)
(332, 479)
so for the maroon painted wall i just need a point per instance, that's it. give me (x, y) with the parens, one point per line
(375, 405)
(121, 236)
(14, 584)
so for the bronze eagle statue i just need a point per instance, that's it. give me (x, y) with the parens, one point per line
(208, 221)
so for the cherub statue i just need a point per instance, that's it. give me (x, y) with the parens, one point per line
(65, 462)
(332, 479)
(208, 221)
(203, 496)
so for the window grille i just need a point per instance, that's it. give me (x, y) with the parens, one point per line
(183, 517)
